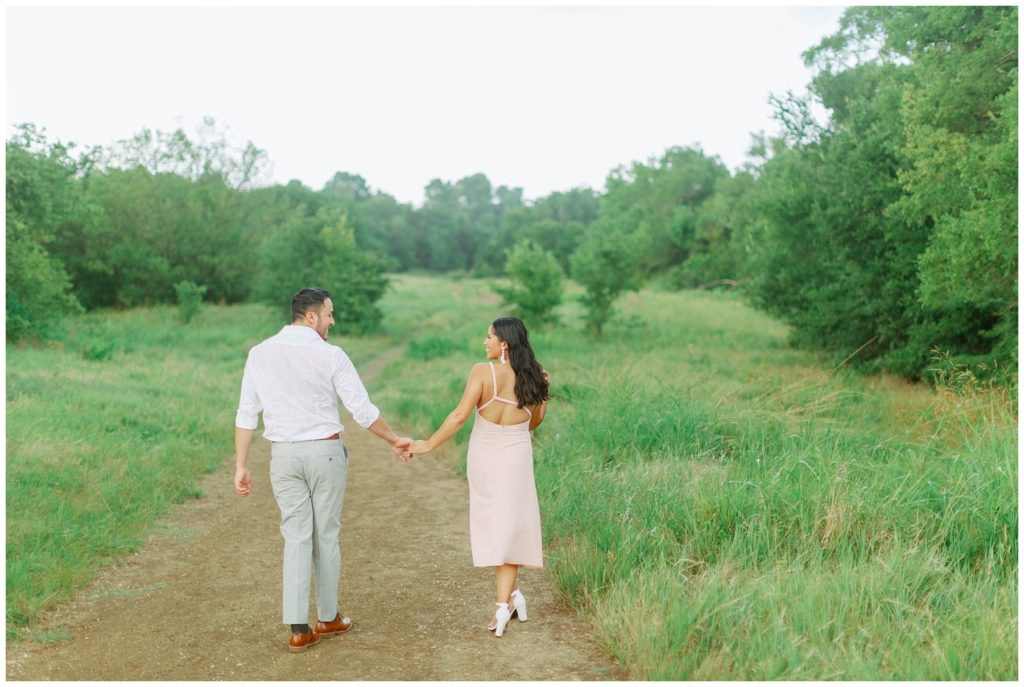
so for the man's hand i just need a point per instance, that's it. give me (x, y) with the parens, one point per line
(399, 448)
(243, 481)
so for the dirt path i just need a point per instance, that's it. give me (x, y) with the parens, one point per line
(201, 600)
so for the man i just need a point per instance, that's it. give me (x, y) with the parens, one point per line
(295, 378)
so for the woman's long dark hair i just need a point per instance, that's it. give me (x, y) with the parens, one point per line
(531, 387)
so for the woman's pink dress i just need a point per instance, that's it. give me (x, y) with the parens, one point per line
(504, 517)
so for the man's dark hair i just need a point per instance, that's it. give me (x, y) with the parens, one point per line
(306, 300)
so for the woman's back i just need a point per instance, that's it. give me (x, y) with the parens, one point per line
(499, 403)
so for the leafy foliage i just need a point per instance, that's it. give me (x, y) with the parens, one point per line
(896, 224)
(717, 248)
(536, 288)
(321, 251)
(659, 202)
(555, 223)
(42, 194)
(606, 265)
(190, 300)
(888, 230)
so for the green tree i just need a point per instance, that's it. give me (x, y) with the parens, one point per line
(896, 222)
(555, 222)
(351, 187)
(164, 209)
(381, 224)
(606, 264)
(659, 201)
(42, 194)
(458, 226)
(384, 226)
(322, 251)
(536, 288)
(825, 256)
(190, 300)
(717, 248)
(960, 176)
(151, 231)
(207, 153)
(440, 225)
(358, 278)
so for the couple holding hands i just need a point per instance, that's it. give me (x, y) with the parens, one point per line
(295, 379)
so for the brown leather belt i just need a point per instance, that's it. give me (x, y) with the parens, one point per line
(334, 436)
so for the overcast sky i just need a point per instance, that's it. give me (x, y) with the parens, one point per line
(540, 98)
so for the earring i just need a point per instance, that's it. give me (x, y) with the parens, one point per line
(503, 356)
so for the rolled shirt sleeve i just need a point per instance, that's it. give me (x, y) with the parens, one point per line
(351, 391)
(249, 405)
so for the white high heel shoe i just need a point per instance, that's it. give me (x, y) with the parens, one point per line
(501, 618)
(519, 605)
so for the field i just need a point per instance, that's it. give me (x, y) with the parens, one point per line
(715, 504)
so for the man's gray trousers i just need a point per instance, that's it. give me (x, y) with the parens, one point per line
(308, 478)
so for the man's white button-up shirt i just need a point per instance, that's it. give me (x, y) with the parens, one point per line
(296, 378)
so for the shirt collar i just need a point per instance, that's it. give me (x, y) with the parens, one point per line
(300, 333)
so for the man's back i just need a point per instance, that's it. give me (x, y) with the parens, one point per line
(295, 378)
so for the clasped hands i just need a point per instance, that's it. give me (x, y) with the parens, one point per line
(406, 447)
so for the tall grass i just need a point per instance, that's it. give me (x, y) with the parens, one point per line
(721, 506)
(104, 431)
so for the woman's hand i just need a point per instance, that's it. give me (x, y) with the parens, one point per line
(418, 446)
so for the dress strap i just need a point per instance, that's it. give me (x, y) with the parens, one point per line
(494, 389)
(495, 397)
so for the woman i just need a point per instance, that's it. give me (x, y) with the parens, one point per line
(504, 518)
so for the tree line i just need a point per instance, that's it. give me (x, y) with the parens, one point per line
(889, 230)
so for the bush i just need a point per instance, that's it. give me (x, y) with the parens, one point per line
(606, 265)
(321, 251)
(190, 300)
(38, 288)
(42, 193)
(536, 288)
(896, 223)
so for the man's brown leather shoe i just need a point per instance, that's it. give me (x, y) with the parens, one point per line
(335, 627)
(301, 641)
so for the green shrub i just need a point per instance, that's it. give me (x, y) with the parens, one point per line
(190, 300)
(605, 264)
(42, 194)
(536, 288)
(321, 251)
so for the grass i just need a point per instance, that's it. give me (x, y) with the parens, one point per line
(720, 506)
(715, 504)
(109, 426)
(104, 431)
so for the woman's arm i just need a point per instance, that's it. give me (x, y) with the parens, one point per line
(453, 423)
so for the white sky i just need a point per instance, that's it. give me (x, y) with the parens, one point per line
(542, 98)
